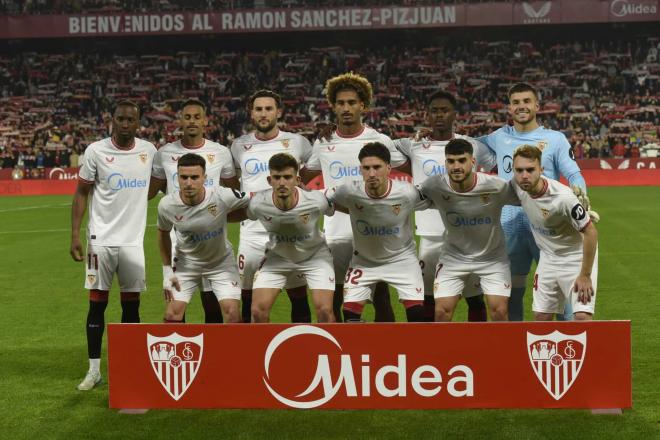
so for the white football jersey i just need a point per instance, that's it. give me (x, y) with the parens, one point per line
(118, 203)
(294, 234)
(338, 161)
(251, 156)
(556, 218)
(427, 158)
(381, 227)
(200, 229)
(472, 218)
(219, 164)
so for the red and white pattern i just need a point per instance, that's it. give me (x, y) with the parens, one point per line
(175, 360)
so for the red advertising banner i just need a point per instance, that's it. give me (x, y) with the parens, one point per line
(646, 163)
(359, 366)
(346, 18)
(37, 187)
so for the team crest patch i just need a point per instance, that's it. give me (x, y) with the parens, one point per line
(485, 199)
(286, 143)
(541, 145)
(210, 158)
(143, 157)
(556, 359)
(396, 209)
(91, 278)
(304, 218)
(545, 212)
(175, 360)
(213, 209)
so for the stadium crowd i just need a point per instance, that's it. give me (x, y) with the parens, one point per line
(603, 95)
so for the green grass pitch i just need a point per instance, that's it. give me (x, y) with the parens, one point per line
(43, 349)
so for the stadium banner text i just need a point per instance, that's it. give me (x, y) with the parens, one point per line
(37, 187)
(347, 18)
(359, 366)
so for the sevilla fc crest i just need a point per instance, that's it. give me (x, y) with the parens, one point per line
(396, 209)
(285, 143)
(556, 359)
(143, 157)
(175, 360)
(210, 158)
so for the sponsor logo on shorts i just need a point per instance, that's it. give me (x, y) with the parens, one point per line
(175, 360)
(234, 283)
(349, 375)
(556, 359)
(331, 279)
(339, 171)
(254, 166)
(458, 220)
(117, 182)
(285, 143)
(210, 158)
(365, 228)
(143, 157)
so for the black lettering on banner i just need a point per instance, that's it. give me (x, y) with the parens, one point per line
(578, 212)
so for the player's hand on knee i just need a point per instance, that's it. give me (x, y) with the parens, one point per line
(584, 289)
(423, 133)
(76, 250)
(170, 281)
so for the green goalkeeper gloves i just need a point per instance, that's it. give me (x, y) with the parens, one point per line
(581, 194)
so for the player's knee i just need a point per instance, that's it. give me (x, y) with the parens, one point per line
(173, 315)
(325, 313)
(583, 316)
(540, 316)
(443, 311)
(260, 312)
(499, 310)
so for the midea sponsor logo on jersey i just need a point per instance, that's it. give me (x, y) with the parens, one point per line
(365, 228)
(535, 16)
(117, 182)
(431, 167)
(175, 181)
(624, 8)
(357, 374)
(282, 238)
(456, 219)
(198, 237)
(255, 166)
(338, 170)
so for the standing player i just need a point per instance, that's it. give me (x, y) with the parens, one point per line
(113, 185)
(291, 216)
(557, 160)
(379, 209)
(337, 159)
(427, 157)
(219, 169)
(568, 267)
(198, 216)
(251, 154)
(470, 204)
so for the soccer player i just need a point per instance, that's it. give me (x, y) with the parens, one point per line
(199, 218)
(427, 157)
(557, 160)
(251, 154)
(379, 209)
(113, 185)
(336, 158)
(563, 230)
(291, 216)
(219, 170)
(470, 204)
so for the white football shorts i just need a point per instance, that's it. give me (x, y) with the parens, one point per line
(104, 261)
(223, 279)
(451, 277)
(251, 256)
(317, 270)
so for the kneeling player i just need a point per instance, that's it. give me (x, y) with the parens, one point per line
(199, 218)
(291, 216)
(379, 210)
(470, 204)
(568, 240)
